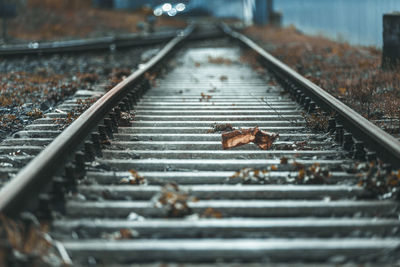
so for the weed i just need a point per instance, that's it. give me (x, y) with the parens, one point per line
(35, 114)
(83, 105)
(316, 121)
(352, 74)
(378, 180)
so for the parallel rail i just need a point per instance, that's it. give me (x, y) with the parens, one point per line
(96, 44)
(39, 171)
(386, 146)
(277, 221)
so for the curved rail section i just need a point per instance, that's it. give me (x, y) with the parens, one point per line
(386, 146)
(35, 176)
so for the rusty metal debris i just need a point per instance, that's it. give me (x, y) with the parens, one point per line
(263, 139)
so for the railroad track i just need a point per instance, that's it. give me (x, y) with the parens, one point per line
(164, 190)
(111, 43)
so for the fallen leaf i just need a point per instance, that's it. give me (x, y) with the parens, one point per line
(219, 60)
(252, 176)
(342, 91)
(241, 137)
(284, 160)
(173, 201)
(134, 178)
(127, 233)
(205, 97)
(223, 78)
(211, 213)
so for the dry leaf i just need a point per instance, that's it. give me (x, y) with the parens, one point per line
(223, 78)
(241, 137)
(135, 179)
(174, 201)
(211, 213)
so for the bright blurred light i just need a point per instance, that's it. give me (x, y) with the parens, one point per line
(158, 12)
(180, 7)
(172, 12)
(166, 7)
(34, 45)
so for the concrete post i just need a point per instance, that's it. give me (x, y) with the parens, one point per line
(391, 40)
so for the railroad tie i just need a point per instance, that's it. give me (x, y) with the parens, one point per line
(165, 190)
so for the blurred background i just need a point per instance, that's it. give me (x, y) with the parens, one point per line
(355, 21)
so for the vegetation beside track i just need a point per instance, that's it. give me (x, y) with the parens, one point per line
(353, 74)
(49, 20)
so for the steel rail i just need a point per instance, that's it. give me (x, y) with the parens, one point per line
(102, 43)
(35, 176)
(386, 146)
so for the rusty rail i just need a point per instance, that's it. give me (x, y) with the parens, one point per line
(35, 176)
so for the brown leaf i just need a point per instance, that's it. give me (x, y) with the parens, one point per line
(126, 233)
(211, 213)
(173, 200)
(136, 178)
(241, 137)
(264, 139)
(223, 78)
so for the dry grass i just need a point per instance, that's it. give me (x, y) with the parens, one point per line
(55, 19)
(28, 87)
(28, 241)
(350, 73)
